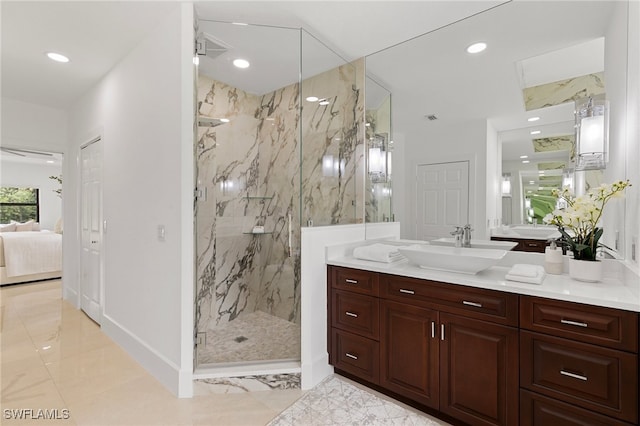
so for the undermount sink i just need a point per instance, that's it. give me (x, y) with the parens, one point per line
(536, 231)
(452, 259)
(479, 244)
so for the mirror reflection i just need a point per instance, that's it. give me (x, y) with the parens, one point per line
(452, 105)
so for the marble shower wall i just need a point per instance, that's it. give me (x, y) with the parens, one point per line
(249, 169)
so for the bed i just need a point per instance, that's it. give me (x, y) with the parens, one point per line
(30, 256)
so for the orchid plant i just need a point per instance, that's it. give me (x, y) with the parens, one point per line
(581, 216)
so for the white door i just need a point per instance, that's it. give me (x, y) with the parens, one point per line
(443, 199)
(91, 230)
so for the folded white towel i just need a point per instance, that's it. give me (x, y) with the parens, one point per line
(532, 274)
(378, 253)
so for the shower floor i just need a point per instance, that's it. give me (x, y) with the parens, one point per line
(257, 336)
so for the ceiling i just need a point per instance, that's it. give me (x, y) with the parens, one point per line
(96, 35)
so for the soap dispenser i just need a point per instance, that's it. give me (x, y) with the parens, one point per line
(553, 262)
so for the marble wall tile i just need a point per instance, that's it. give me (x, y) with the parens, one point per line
(250, 169)
(563, 91)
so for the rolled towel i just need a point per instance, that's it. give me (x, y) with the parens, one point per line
(378, 253)
(532, 274)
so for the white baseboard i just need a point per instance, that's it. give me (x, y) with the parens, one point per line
(315, 371)
(71, 296)
(180, 383)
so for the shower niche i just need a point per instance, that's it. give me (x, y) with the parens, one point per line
(260, 141)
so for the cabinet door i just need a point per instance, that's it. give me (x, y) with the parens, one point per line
(478, 371)
(409, 352)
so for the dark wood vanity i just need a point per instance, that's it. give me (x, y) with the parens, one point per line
(484, 357)
(530, 245)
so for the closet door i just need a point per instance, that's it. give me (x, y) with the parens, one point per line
(91, 230)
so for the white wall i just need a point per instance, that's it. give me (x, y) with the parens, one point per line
(632, 215)
(28, 175)
(143, 110)
(31, 126)
(425, 144)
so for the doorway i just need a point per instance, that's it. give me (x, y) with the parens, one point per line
(91, 288)
(442, 199)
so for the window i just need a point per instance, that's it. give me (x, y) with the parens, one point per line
(19, 204)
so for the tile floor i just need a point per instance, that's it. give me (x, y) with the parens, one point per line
(57, 363)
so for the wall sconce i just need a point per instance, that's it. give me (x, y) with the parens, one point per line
(506, 185)
(592, 133)
(567, 178)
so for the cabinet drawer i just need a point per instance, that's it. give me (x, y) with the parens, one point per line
(488, 305)
(356, 355)
(533, 246)
(355, 280)
(593, 377)
(356, 313)
(538, 410)
(592, 324)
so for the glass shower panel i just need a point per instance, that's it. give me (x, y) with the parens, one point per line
(247, 211)
(378, 193)
(332, 134)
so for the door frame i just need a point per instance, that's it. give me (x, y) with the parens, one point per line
(98, 138)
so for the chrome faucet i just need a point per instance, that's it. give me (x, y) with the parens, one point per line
(458, 235)
(466, 235)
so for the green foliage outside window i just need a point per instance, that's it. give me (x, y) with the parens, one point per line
(19, 204)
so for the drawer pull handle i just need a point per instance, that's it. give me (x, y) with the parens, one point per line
(441, 331)
(433, 329)
(573, 375)
(474, 304)
(402, 290)
(576, 323)
(351, 356)
(351, 314)
(350, 281)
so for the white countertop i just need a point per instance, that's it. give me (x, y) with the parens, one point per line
(619, 289)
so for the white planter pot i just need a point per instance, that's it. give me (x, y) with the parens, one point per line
(585, 270)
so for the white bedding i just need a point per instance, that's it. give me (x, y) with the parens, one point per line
(28, 253)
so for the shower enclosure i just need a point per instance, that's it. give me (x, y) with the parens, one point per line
(280, 145)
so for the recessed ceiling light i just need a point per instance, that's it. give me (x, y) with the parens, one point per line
(477, 47)
(541, 172)
(57, 57)
(532, 182)
(324, 102)
(525, 161)
(241, 63)
(524, 156)
(224, 120)
(312, 99)
(535, 132)
(240, 23)
(50, 161)
(533, 118)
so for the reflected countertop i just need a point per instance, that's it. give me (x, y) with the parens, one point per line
(619, 289)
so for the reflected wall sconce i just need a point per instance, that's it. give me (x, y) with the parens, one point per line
(567, 178)
(506, 185)
(592, 133)
(332, 166)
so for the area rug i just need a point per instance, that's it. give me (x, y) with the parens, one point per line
(338, 402)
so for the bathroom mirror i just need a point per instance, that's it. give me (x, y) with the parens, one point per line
(448, 103)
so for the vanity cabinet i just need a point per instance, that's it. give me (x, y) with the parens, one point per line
(579, 363)
(437, 343)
